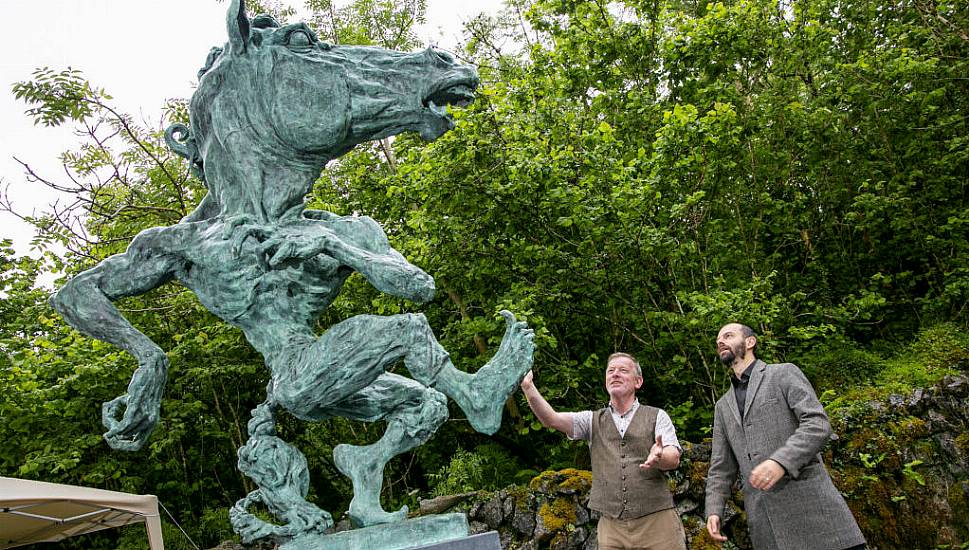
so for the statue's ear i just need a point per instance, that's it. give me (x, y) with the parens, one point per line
(237, 23)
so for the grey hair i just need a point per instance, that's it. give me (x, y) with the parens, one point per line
(619, 354)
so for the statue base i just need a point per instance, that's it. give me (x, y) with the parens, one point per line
(413, 533)
(483, 541)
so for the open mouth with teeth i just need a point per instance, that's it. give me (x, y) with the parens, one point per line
(459, 95)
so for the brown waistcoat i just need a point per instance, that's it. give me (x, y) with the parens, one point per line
(620, 488)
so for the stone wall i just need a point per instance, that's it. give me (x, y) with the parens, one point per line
(552, 511)
(903, 465)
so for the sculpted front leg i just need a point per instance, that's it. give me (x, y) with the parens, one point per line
(358, 243)
(85, 303)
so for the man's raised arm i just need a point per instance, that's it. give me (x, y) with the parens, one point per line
(543, 411)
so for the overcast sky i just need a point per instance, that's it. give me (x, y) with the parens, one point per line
(140, 51)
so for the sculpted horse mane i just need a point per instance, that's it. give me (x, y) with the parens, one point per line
(273, 106)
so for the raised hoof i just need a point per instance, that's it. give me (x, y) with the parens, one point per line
(497, 380)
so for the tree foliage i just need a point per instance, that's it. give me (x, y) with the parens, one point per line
(632, 175)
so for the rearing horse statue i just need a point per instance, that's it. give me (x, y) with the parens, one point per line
(273, 106)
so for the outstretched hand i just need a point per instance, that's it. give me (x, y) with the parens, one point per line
(528, 381)
(655, 454)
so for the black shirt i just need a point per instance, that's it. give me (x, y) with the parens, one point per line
(740, 387)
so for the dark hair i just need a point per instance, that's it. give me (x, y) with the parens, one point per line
(747, 332)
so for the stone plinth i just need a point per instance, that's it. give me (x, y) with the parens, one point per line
(483, 541)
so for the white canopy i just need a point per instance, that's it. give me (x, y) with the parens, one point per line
(34, 511)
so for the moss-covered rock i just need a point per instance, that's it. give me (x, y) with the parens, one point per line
(555, 516)
(567, 481)
(900, 462)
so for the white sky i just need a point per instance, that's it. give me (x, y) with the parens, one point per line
(140, 51)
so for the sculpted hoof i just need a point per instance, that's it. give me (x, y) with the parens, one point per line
(497, 380)
(361, 465)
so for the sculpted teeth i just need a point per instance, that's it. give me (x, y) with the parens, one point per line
(459, 95)
(440, 110)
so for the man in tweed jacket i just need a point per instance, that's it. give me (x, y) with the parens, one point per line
(769, 429)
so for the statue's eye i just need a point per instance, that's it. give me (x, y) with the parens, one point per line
(299, 39)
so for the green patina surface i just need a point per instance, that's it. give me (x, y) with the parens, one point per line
(411, 533)
(273, 106)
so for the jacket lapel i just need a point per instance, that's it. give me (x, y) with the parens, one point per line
(732, 405)
(756, 377)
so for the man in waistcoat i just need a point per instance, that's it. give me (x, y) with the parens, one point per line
(769, 428)
(631, 444)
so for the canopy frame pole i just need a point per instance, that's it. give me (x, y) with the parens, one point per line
(65, 520)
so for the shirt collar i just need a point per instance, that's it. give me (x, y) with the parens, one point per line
(629, 413)
(744, 376)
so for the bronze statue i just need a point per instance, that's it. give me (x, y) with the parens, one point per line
(272, 108)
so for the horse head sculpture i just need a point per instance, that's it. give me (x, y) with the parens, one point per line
(276, 93)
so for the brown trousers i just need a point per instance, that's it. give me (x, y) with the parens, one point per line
(657, 531)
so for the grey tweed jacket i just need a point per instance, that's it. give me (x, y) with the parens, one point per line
(783, 420)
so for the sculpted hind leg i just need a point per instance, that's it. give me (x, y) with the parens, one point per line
(413, 413)
(481, 395)
(342, 374)
(85, 302)
(353, 353)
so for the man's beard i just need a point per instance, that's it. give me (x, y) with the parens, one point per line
(738, 352)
